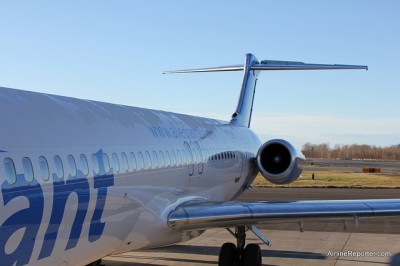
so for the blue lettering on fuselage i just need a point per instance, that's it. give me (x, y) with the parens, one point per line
(28, 218)
(31, 217)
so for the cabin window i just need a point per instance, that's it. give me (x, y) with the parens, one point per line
(9, 167)
(154, 159)
(84, 164)
(106, 162)
(173, 158)
(197, 150)
(28, 169)
(178, 157)
(184, 157)
(205, 155)
(147, 160)
(72, 165)
(189, 153)
(116, 162)
(167, 159)
(124, 162)
(200, 154)
(96, 166)
(44, 168)
(59, 167)
(133, 161)
(161, 157)
(195, 156)
(140, 161)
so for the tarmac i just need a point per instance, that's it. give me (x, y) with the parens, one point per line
(374, 242)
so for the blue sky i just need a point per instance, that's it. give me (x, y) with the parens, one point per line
(115, 51)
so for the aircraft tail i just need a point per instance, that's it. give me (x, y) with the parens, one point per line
(252, 68)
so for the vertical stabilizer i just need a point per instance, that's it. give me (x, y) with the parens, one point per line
(242, 115)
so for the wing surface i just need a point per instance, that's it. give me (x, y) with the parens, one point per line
(204, 215)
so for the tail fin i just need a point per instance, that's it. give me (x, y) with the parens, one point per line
(244, 109)
(251, 68)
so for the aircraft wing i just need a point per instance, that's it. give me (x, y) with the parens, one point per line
(204, 215)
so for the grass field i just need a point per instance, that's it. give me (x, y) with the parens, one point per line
(325, 179)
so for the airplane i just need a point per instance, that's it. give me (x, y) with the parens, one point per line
(81, 179)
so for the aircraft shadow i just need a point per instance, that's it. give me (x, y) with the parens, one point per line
(205, 250)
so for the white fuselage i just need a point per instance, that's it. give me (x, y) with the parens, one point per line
(76, 212)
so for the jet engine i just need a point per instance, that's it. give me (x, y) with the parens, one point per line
(279, 162)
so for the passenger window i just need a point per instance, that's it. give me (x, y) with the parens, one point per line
(124, 162)
(84, 164)
(205, 155)
(154, 159)
(106, 163)
(195, 158)
(96, 166)
(44, 168)
(72, 165)
(173, 158)
(9, 167)
(28, 169)
(184, 157)
(199, 155)
(189, 153)
(167, 159)
(59, 167)
(147, 160)
(116, 162)
(133, 161)
(162, 160)
(141, 161)
(178, 158)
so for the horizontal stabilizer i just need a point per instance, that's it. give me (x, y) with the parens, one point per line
(290, 65)
(271, 65)
(209, 69)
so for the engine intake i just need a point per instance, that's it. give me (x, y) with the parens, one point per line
(279, 162)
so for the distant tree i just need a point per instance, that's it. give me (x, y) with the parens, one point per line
(354, 151)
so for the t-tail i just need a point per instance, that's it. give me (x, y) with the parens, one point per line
(242, 115)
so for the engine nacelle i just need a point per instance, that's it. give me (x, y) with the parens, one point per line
(279, 162)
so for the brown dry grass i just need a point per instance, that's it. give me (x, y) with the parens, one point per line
(337, 179)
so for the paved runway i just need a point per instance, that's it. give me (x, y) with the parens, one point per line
(320, 244)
